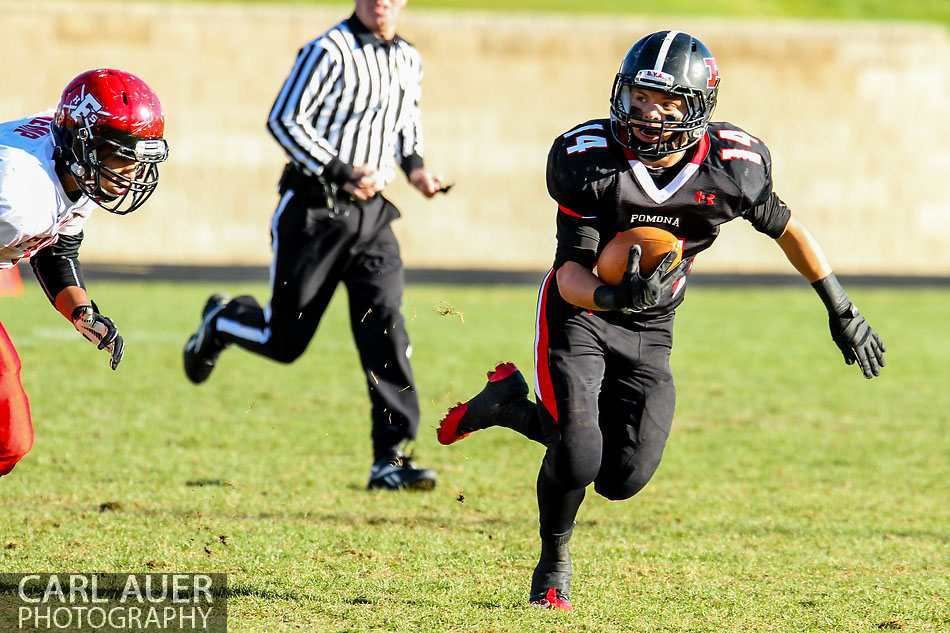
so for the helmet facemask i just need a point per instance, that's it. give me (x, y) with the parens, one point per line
(113, 191)
(684, 133)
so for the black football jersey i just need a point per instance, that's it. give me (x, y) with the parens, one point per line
(601, 189)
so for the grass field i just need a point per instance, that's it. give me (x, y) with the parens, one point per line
(793, 496)
(918, 10)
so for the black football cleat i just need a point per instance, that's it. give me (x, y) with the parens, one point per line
(552, 598)
(501, 402)
(551, 580)
(398, 473)
(203, 349)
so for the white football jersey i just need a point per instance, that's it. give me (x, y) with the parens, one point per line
(34, 208)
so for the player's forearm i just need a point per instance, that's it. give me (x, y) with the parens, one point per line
(577, 285)
(70, 298)
(803, 251)
(59, 273)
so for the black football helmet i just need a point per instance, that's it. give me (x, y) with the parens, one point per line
(674, 63)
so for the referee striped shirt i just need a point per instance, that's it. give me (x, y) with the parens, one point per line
(351, 99)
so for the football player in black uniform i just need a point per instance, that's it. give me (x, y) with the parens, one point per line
(605, 393)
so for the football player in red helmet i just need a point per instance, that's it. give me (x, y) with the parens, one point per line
(101, 147)
(604, 389)
(108, 129)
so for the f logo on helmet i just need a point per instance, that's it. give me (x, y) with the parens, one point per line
(713, 68)
(85, 106)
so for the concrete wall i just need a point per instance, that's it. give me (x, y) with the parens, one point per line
(855, 115)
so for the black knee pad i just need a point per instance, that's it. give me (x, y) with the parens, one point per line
(571, 474)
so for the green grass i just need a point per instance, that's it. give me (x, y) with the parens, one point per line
(916, 10)
(793, 496)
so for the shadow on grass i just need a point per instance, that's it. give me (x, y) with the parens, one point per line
(348, 519)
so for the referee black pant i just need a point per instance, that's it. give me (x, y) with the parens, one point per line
(315, 249)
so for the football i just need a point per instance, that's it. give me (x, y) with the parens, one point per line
(654, 243)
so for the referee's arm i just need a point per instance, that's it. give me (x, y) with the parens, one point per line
(409, 139)
(409, 146)
(293, 117)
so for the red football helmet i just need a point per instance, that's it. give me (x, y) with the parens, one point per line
(108, 113)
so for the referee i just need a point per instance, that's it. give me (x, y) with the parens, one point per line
(347, 115)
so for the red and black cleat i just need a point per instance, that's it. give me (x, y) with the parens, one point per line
(551, 599)
(505, 385)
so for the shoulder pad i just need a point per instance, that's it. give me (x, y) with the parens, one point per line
(579, 162)
(743, 157)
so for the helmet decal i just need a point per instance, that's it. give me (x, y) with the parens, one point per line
(713, 71)
(84, 105)
(657, 78)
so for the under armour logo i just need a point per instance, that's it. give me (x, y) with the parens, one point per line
(705, 197)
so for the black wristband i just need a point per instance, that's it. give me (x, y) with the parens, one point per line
(336, 171)
(77, 311)
(411, 162)
(606, 297)
(832, 294)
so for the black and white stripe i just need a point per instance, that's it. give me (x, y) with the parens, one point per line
(665, 49)
(350, 98)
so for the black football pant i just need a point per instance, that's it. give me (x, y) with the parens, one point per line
(610, 400)
(315, 249)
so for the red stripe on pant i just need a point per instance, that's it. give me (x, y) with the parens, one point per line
(16, 426)
(542, 372)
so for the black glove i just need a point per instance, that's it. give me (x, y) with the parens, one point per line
(101, 331)
(849, 330)
(635, 293)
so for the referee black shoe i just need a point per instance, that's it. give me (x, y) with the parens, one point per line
(502, 402)
(398, 473)
(203, 349)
